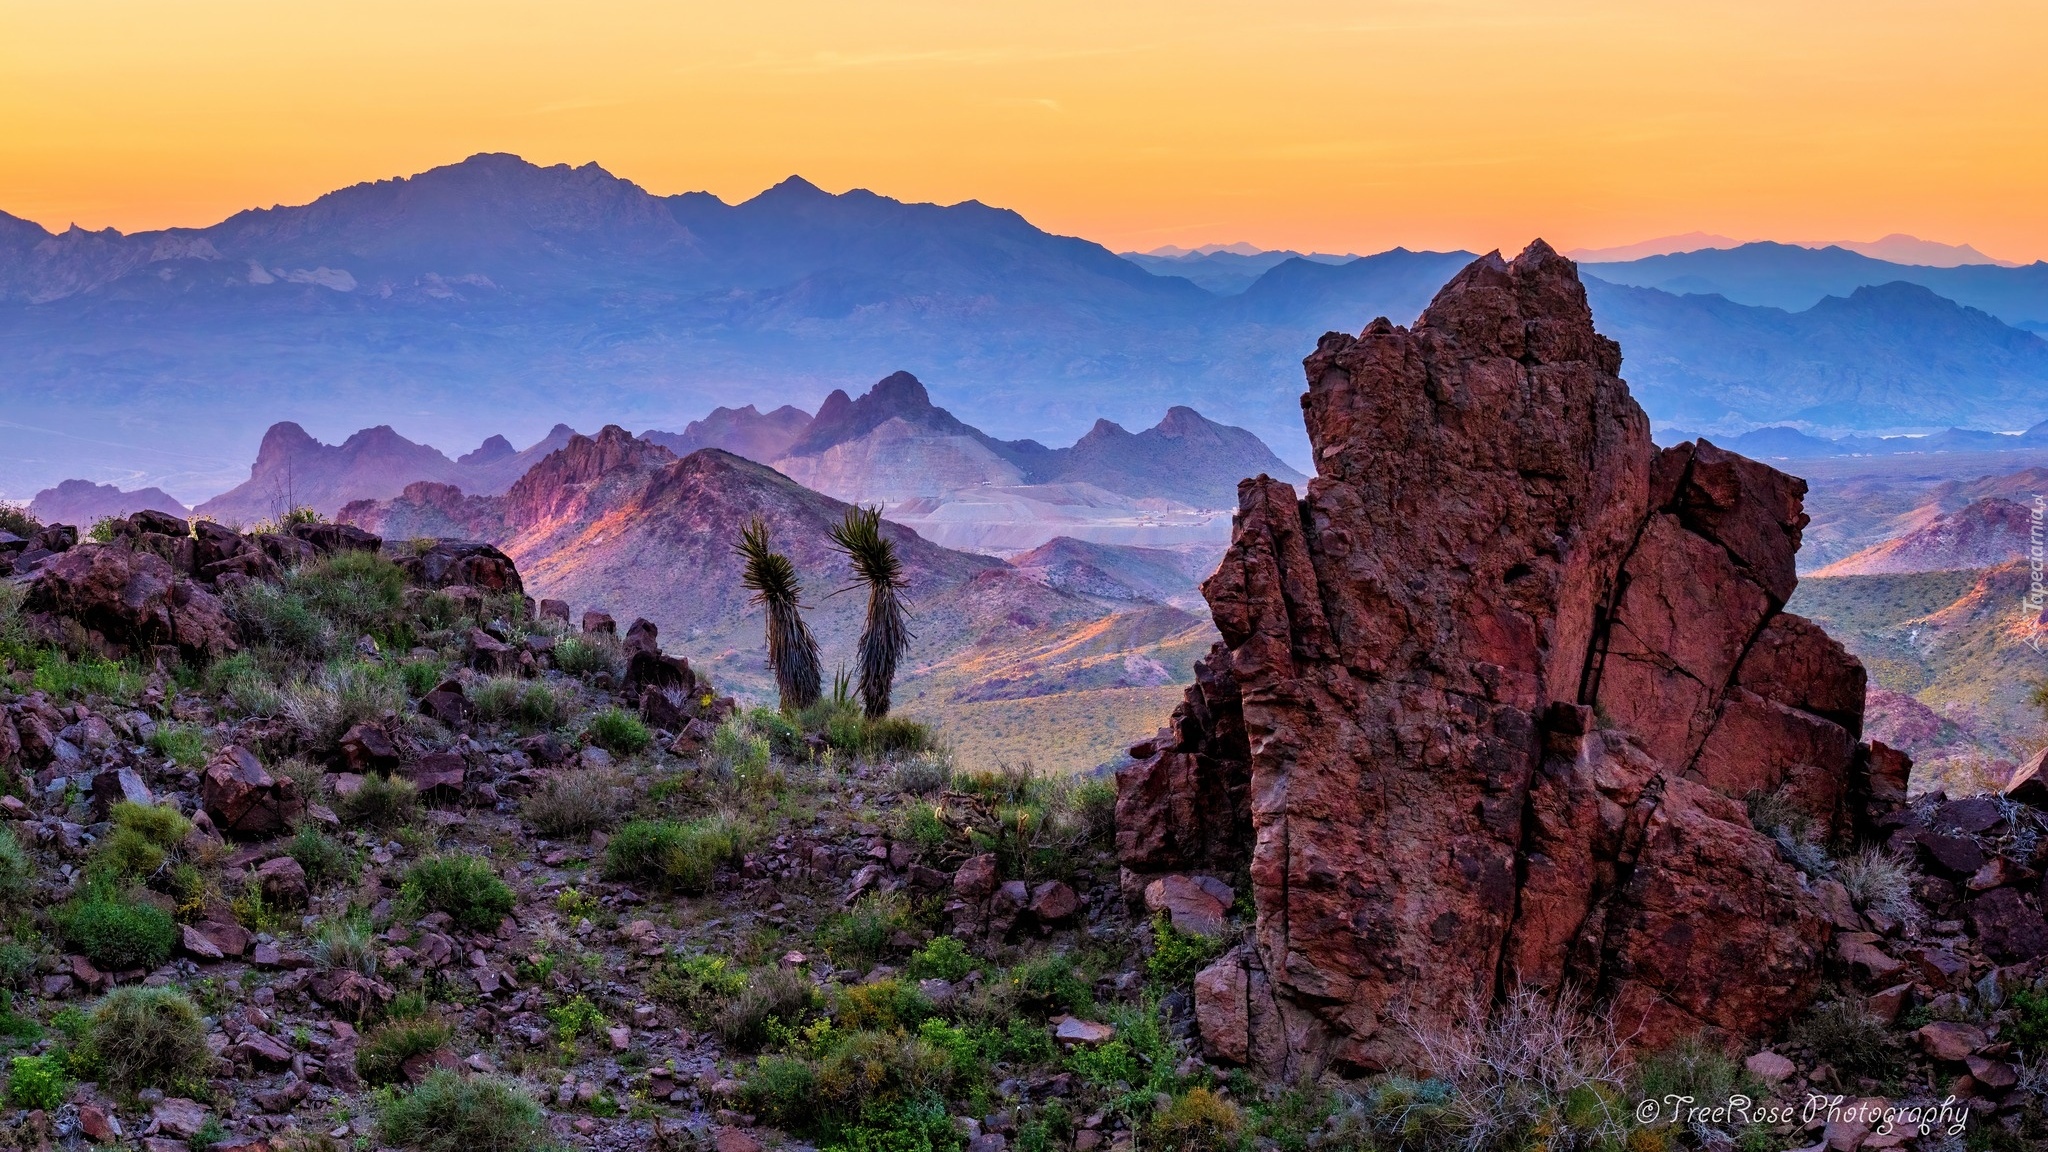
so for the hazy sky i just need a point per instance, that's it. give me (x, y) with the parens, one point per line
(1339, 126)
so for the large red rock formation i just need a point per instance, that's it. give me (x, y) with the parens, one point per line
(1490, 698)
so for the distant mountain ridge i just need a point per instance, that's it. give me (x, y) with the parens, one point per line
(444, 302)
(1981, 534)
(81, 503)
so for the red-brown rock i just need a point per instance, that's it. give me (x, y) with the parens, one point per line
(132, 600)
(241, 796)
(1490, 696)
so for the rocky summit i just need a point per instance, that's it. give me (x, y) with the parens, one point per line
(1490, 700)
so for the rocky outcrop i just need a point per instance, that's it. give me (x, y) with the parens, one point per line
(1492, 695)
(128, 601)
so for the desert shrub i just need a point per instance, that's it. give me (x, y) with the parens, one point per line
(145, 1037)
(1051, 983)
(589, 655)
(17, 871)
(2028, 1031)
(1531, 1066)
(528, 705)
(1196, 1121)
(60, 675)
(1841, 1033)
(1034, 826)
(451, 1112)
(324, 858)
(280, 619)
(617, 731)
(142, 840)
(423, 675)
(246, 683)
(383, 1051)
(577, 1018)
(381, 802)
(944, 958)
(921, 824)
(361, 592)
(771, 995)
(1780, 816)
(341, 695)
(923, 775)
(575, 801)
(741, 750)
(37, 1082)
(884, 1005)
(465, 887)
(1880, 882)
(182, 743)
(18, 521)
(18, 962)
(866, 931)
(673, 856)
(848, 730)
(1695, 1069)
(1177, 955)
(863, 1081)
(346, 943)
(116, 932)
(695, 983)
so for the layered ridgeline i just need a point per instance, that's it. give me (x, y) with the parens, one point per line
(1168, 485)
(1523, 690)
(617, 519)
(495, 286)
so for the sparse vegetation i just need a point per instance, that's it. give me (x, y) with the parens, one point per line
(451, 1112)
(467, 888)
(673, 856)
(381, 1056)
(116, 931)
(618, 731)
(576, 801)
(149, 1038)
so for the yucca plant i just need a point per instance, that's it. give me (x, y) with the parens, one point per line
(885, 637)
(792, 652)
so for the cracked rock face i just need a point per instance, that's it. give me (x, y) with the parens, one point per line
(1492, 692)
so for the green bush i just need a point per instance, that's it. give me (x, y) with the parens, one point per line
(883, 1005)
(695, 983)
(348, 942)
(422, 676)
(450, 1112)
(618, 731)
(362, 592)
(923, 775)
(60, 675)
(866, 931)
(742, 750)
(37, 1082)
(772, 995)
(465, 887)
(1196, 1121)
(577, 1018)
(142, 840)
(182, 743)
(1844, 1035)
(672, 856)
(115, 932)
(575, 801)
(17, 871)
(324, 858)
(279, 619)
(1050, 983)
(18, 962)
(381, 802)
(1177, 955)
(849, 730)
(145, 1037)
(19, 522)
(528, 705)
(2028, 1031)
(945, 958)
(381, 1056)
(588, 655)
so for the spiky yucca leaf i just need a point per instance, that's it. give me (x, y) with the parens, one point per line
(885, 636)
(792, 651)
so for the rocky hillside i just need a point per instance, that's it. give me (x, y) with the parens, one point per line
(1982, 534)
(758, 436)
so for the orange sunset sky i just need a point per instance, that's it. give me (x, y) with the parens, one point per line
(1288, 123)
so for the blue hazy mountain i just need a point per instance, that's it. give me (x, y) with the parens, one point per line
(1794, 278)
(497, 296)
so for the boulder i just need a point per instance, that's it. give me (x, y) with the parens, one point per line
(467, 563)
(327, 539)
(1190, 906)
(111, 786)
(1489, 698)
(131, 600)
(648, 667)
(448, 703)
(599, 623)
(491, 656)
(368, 747)
(283, 882)
(242, 797)
(556, 610)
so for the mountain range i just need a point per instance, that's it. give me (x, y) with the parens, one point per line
(496, 296)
